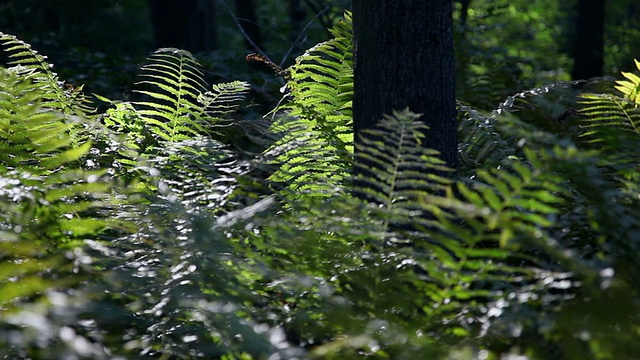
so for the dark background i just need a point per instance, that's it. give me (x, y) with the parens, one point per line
(101, 43)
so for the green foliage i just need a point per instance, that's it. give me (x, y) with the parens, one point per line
(505, 46)
(177, 86)
(621, 33)
(67, 101)
(392, 166)
(630, 88)
(148, 232)
(487, 137)
(316, 119)
(51, 208)
(530, 201)
(178, 108)
(591, 214)
(176, 131)
(57, 213)
(346, 259)
(611, 126)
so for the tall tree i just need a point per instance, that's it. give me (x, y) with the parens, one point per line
(184, 24)
(588, 53)
(404, 57)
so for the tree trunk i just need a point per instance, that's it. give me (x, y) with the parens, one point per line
(184, 24)
(588, 55)
(404, 57)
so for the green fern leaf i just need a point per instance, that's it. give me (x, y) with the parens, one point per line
(53, 94)
(612, 125)
(176, 82)
(319, 110)
(630, 89)
(223, 99)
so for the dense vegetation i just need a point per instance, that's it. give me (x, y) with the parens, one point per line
(181, 225)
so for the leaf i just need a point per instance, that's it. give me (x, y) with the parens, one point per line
(67, 156)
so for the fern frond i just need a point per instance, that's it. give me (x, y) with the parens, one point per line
(522, 198)
(319, 109)
(54, 95)
(481, 141)
(321, 80)
(50, 206)
(393, 167)
(490, 137)
(418, 236)
(306, 164)
(172, 113)
(223, 99)
(169, 129)
(179, 108)
(608, 114)
(612, 125)
(31, 132)
(631, 88)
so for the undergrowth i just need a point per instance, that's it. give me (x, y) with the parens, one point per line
(149, 231)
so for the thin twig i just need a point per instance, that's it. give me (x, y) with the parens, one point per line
(304, 29)
(246, 36)
(313, 7)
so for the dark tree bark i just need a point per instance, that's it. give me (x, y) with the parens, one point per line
(588, 54)
(404, 57)
(247, 18)
(184, 24)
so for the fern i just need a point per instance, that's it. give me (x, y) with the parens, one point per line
(48, 120)
(321, 81)
(489, 137)
(612, 124)
(175, 279)
(610, 130)
(35, 137)
(592, 213)
(178, 107)
(456, 255)
(175, 132)
(317, 120)
(223, 99)
(532, 242)
(51, 210)
(631, 87)
(396, 164)
(174, 114)
(67, 99)
(481, 142)
(54, 214)
(527, 122)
